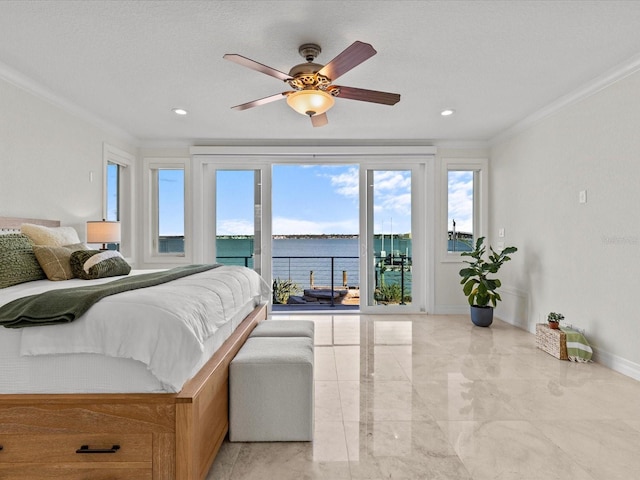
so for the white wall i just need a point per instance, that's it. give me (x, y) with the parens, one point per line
(577, 259)
(46, 158)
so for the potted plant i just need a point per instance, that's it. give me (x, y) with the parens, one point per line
(477, 286)
(554, 320)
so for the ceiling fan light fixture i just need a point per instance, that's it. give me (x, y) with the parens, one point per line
(310, 102)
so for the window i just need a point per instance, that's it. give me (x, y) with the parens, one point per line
(465, 204)
(166, 185)
(460, 189)
(170, 201)
(113, 191)
(118, 195)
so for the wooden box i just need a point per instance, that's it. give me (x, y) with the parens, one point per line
(552, 341)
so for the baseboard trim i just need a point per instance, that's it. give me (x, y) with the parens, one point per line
(614, 362)
(450, 310)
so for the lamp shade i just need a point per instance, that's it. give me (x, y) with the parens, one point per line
(103, 232)
(310, 102)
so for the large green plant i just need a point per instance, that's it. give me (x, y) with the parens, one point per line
(479, 289)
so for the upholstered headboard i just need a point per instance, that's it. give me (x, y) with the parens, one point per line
(13, 223)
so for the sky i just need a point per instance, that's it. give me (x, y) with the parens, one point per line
(112, 188)
(460, 205)
(310, 199)
(315, 199)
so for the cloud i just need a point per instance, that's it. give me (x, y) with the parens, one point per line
(460, 203)
(290, 226)
(392, 200)
(392, 181)
(346, 183)
(235, 226)
(294, 226)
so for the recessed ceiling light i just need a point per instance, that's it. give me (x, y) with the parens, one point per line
(179, 111)
(447, 112)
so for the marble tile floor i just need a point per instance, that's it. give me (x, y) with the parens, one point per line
(433, 397)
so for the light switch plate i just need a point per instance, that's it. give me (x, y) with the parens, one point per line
(582, 196)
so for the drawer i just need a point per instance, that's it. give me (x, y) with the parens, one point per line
(62, 449)
(27, 471)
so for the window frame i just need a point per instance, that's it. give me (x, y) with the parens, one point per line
(151, 166)
(479, 167)
(125, 199)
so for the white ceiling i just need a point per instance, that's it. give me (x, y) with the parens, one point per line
(128, 63)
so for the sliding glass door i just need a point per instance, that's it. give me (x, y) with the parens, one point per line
(233, 216)
(375, 206)
(238, 217)
(392, 243)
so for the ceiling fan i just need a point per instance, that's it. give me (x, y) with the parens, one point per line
(313, 91)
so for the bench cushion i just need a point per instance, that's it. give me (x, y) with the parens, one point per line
(284, 328)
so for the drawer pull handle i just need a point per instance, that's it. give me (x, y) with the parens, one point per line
(86, 449)
(0, 448)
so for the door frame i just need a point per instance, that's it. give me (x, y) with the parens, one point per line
(422, 270)
(206, 160)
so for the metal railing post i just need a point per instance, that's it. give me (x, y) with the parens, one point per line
(332, 281)
(402, 281)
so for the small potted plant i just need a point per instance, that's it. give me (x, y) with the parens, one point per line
(477, 286)
(554, 320)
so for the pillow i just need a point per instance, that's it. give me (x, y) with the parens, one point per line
(56, 261)
(18, 263)
(90, 264)
(56, 236)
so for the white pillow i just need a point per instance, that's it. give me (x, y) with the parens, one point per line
(52, 236)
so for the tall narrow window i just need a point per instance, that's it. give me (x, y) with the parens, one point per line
(113, 191)
(117, 203)
(460, 210)
(170, 211)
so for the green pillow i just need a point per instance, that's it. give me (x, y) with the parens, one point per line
(91, 264)
(18, 263)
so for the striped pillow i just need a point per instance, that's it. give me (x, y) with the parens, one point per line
(91, 264)
(56, 261)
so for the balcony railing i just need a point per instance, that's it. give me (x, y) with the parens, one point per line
(337, 273)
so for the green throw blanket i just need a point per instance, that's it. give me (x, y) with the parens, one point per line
(578, 349)
(66, 305)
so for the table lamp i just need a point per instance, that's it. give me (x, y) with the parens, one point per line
(103, 232)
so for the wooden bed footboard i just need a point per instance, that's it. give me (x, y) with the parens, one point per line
(202, 406)
(122, 436)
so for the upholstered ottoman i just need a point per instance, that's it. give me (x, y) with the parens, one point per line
(284, 328)
(271, 390)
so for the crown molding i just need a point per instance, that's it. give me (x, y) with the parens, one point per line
(601, 82)
(36, 89)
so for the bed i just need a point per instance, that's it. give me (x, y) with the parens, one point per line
(162, 435)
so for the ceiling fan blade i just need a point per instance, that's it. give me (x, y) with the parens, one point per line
(319, 120)
(368, 95)
(252, 64)
(350, 57)
(261, 101)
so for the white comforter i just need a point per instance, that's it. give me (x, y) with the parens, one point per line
(164, 326)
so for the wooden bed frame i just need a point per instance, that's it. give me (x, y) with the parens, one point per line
(121, 436)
